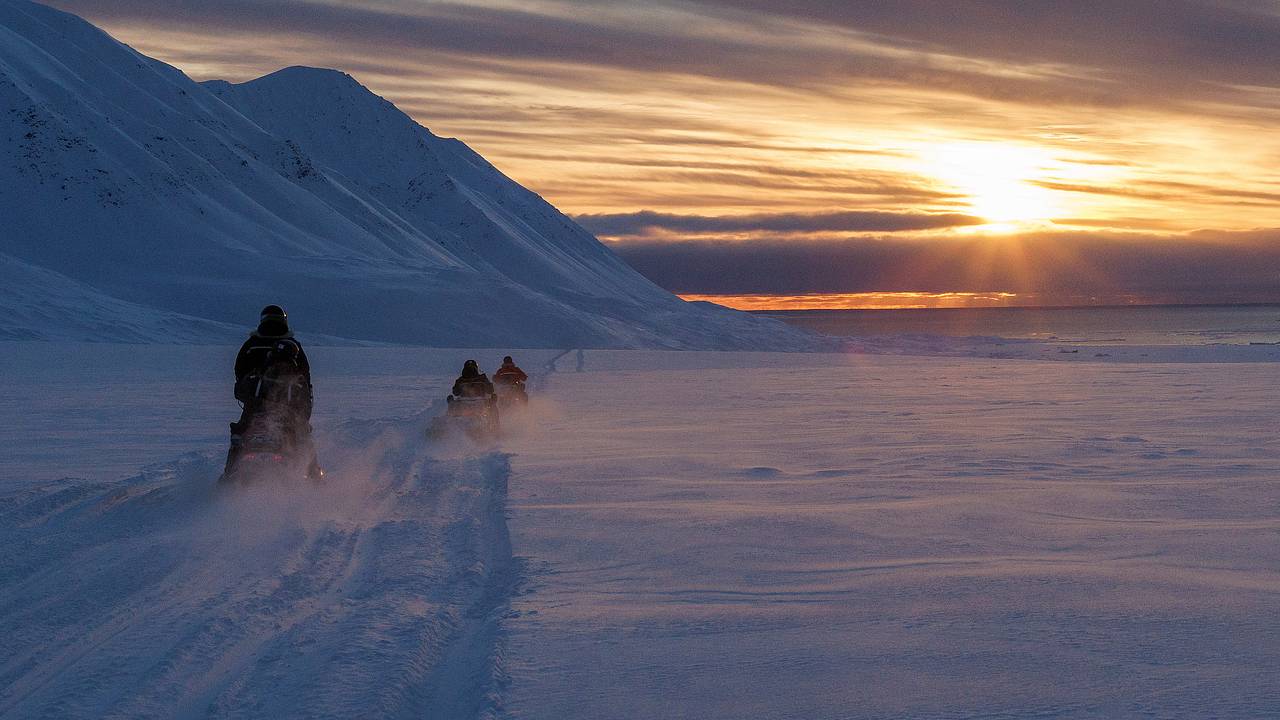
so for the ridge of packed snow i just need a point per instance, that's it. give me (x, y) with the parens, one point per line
(304, 188)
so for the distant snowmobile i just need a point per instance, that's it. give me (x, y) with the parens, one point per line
(475, 417)
(512, 395)
(509, 383)
(472, 407)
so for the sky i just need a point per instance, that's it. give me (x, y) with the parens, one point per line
(830, 154)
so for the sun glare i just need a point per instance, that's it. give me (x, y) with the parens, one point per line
(996, 180)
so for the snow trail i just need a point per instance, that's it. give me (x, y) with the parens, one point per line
(378, 592)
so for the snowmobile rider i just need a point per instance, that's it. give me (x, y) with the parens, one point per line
(270, 342)
(509, 373)
(273, 325)
(472, 383)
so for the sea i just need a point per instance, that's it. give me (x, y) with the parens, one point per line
(1111, 325)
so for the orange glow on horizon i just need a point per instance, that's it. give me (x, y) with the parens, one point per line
(861, 301)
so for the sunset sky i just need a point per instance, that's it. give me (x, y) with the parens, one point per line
(818, 154)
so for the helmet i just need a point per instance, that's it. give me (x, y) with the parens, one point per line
(273, 311)
(273, 322)
(470, 369)
(508, 361)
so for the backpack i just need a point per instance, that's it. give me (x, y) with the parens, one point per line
(280, 380)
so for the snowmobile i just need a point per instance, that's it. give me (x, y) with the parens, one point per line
(274, 440)
(511, 394)
(477, 417)
(269, 450)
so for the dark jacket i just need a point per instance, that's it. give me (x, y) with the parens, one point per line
(509, 375)
(252, 359)
(253, 353)
(470, 386)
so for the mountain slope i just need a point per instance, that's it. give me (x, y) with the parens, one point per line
(38, 304)
(439, 185)
(302, 187)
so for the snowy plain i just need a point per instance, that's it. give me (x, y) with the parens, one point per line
(663, 535)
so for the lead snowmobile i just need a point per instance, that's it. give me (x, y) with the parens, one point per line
(268, 450)
(273, 440)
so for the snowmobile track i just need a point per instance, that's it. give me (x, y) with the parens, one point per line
(378, 593)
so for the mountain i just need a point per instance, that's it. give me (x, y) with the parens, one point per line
(148, 198)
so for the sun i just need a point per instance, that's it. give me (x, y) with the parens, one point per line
(997, 181)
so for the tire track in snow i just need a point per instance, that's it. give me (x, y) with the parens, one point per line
(379, 593)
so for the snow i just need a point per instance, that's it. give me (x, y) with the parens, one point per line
(149, 195)
(689, 534)
(869, 536)
(1059, 350)
(160, 596)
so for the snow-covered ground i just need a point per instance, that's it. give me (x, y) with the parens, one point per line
(700, 535)
(863, 536)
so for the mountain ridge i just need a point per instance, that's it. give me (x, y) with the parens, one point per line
(303, 187)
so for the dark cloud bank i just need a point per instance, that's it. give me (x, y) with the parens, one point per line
(856, 251)
(648, 221)
(1226, 267)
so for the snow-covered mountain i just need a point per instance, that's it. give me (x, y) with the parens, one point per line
(148, 200)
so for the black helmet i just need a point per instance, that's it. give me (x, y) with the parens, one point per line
(273, 311)
(508, 361)
(470, 369)
(273, 322)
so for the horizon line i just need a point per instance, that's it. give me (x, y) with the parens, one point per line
(836, 302)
